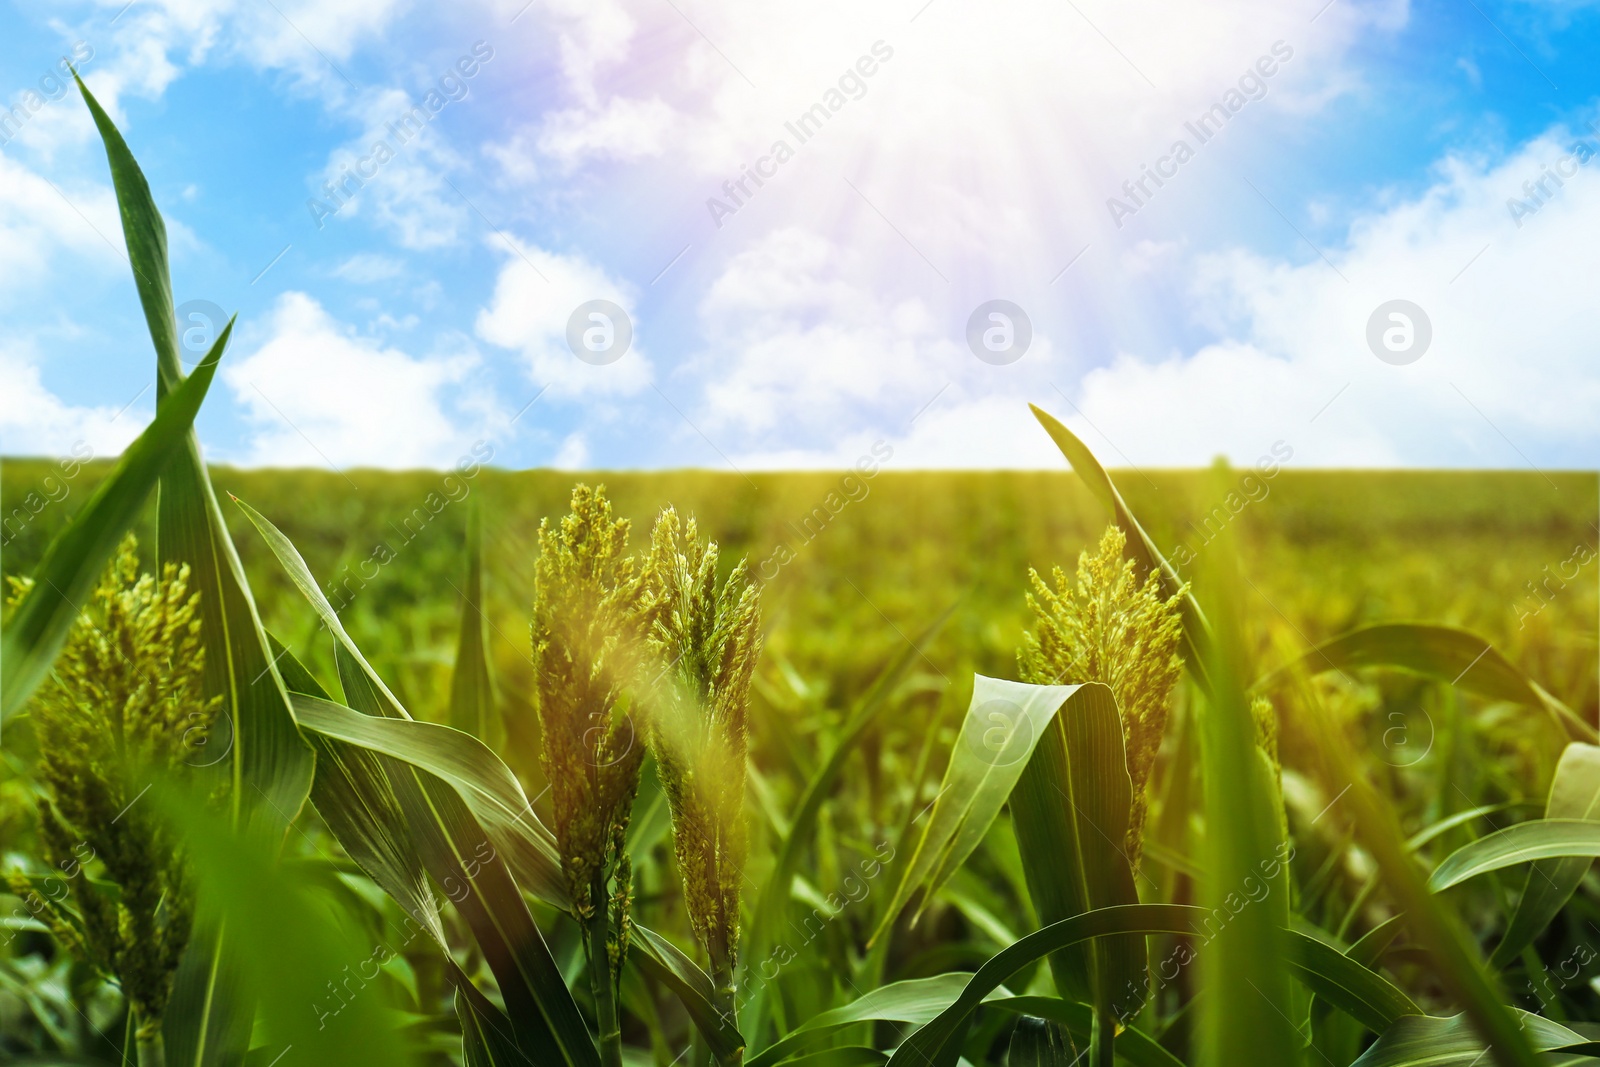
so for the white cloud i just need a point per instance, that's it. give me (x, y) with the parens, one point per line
(317, 393)
(535, 295)
(364, 268)
(37, 222)
(36, 422)
(396, 169)
(572, 455)
(623, 129)
(799, 346)
(1510, 372)
(808, 362)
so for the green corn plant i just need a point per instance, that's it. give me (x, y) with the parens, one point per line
(587, 648)
(125, 710)
(706, 633)
(1111, 628)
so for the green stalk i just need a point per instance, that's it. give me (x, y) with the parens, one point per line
(152, 1045)
(1103, 1038)
(596, 940)
(722, 989)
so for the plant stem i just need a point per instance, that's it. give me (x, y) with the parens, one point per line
(601, 981)
(722, 1000)
(152, 1045)
(1102, 1039)
(722, 991)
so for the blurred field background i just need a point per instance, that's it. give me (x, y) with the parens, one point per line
(1319, 554)
(1322, 553)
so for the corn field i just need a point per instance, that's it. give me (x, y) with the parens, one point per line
(597, 775)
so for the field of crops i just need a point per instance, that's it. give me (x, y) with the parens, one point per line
(489, 767)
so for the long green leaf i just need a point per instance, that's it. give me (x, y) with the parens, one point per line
(471, 685)
(934, 1043)
(661, 960)
(447, 781)
(1002, 727)
(1249, 1012)
(487, 785)
(1133, 1045)
(1447, 653)
(1041, 1043)
(1429, 1041)
(72, 564)
(354, 793)
(1525, 842)
(1574, 794)
(368, 799)
(1070, 810)
(1347, 983)
(267, 764)
(917, 1001)
(294, 566)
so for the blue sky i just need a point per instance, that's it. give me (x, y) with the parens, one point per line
(964, 154)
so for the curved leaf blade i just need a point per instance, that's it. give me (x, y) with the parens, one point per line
(934, 1042)
(471, 685)
(1574, 794)
(487, 785)
(1347, 983)
(1070, 810)
(73, 562)
(1446, 653)
(917, 1001)
(931, 1044)
(1536, 839)
(989, 757)
(1133, 1044)
(662, 960)
(1429, 1041)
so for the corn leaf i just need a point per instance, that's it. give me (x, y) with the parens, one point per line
(471, 686)
(1429, 1041)
(293, 945)
(354, 793)
(1133, 1045)
(1346, 982)
(364, 797)
(267, 764)
(917, 1001)
(1447, 653)
(1003, 725)
(1040, 1043)
(73, 561)
(447, 781)
(1251, 1015)
(1525, 842)
(485, 1037)
(1574, 794)
(1070, 811)
(486, 784)
(937, 1041)
(661, 960)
